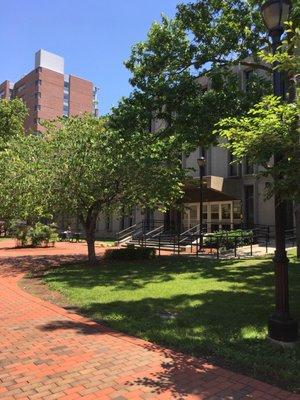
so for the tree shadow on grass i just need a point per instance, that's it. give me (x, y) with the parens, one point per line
(227, 327)
(136, 275)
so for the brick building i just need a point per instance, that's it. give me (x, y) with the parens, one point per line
(49, 93)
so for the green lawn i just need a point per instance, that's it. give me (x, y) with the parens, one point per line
(218, 309)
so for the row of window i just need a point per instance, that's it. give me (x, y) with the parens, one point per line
(235, 169)
(247, 77)
(66, 105)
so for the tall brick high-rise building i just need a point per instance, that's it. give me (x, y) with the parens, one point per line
(49, 93)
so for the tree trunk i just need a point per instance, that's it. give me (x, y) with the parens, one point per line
(90, 227)
(91, 248)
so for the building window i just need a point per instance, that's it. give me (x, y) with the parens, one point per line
(2, 94)
(66, 85)
(37, 95)
(249, 168)
(248, 74)
(237, 211)
(66, 110)
(38, 82)
(20, 88)
(38, 69)
(214, 211)
(226, 209)
(37, 107)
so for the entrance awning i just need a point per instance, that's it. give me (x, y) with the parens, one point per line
(192, 193)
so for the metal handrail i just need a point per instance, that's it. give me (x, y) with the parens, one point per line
(126, 229)
(188, 230)
(154, 230)
(128, 232)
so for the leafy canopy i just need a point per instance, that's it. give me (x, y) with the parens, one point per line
(206, 38)
(12, 117)
(269, 128)
(24, 176)
(99, 169)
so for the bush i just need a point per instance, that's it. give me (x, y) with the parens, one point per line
(130, 253)
(228, 239)
(18, 229)
(41, 233)
(35, 235)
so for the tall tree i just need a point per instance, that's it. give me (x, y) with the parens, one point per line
(98, 171)
(206, 38)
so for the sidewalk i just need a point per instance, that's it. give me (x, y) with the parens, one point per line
(48, 352)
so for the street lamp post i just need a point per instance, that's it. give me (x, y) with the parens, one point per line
(201, 164)
(281, 326)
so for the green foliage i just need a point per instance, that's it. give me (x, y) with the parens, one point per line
(220, 308)
(228, 239)
(130, 253)
(97, 168)
(204, 39)
(286, 56)
(25, 177)
(269, 128)
(19, 230)
(222, 31)
(12, 117)
(41, 233)
(34, 235)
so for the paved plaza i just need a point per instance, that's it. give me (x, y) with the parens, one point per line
(50, 352)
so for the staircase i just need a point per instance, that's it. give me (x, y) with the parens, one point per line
(155, 236)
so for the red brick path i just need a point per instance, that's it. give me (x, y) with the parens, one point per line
(47, 352)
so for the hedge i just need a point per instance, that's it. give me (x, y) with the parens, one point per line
(130, 253)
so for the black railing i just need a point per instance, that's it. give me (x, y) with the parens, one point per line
(199, 244)
(153, 233)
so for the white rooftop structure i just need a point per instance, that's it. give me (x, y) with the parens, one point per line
(49, 60)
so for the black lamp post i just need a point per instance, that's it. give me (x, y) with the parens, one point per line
(201, 164)
(280, 325)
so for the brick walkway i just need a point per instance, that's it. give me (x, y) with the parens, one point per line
(47, 352)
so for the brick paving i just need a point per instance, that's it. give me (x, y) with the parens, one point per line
(48, 352)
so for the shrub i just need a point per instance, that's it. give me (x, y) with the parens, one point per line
(130, 253)
(228, 239)
(41, 233)
(33, 235)
(18, 229)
